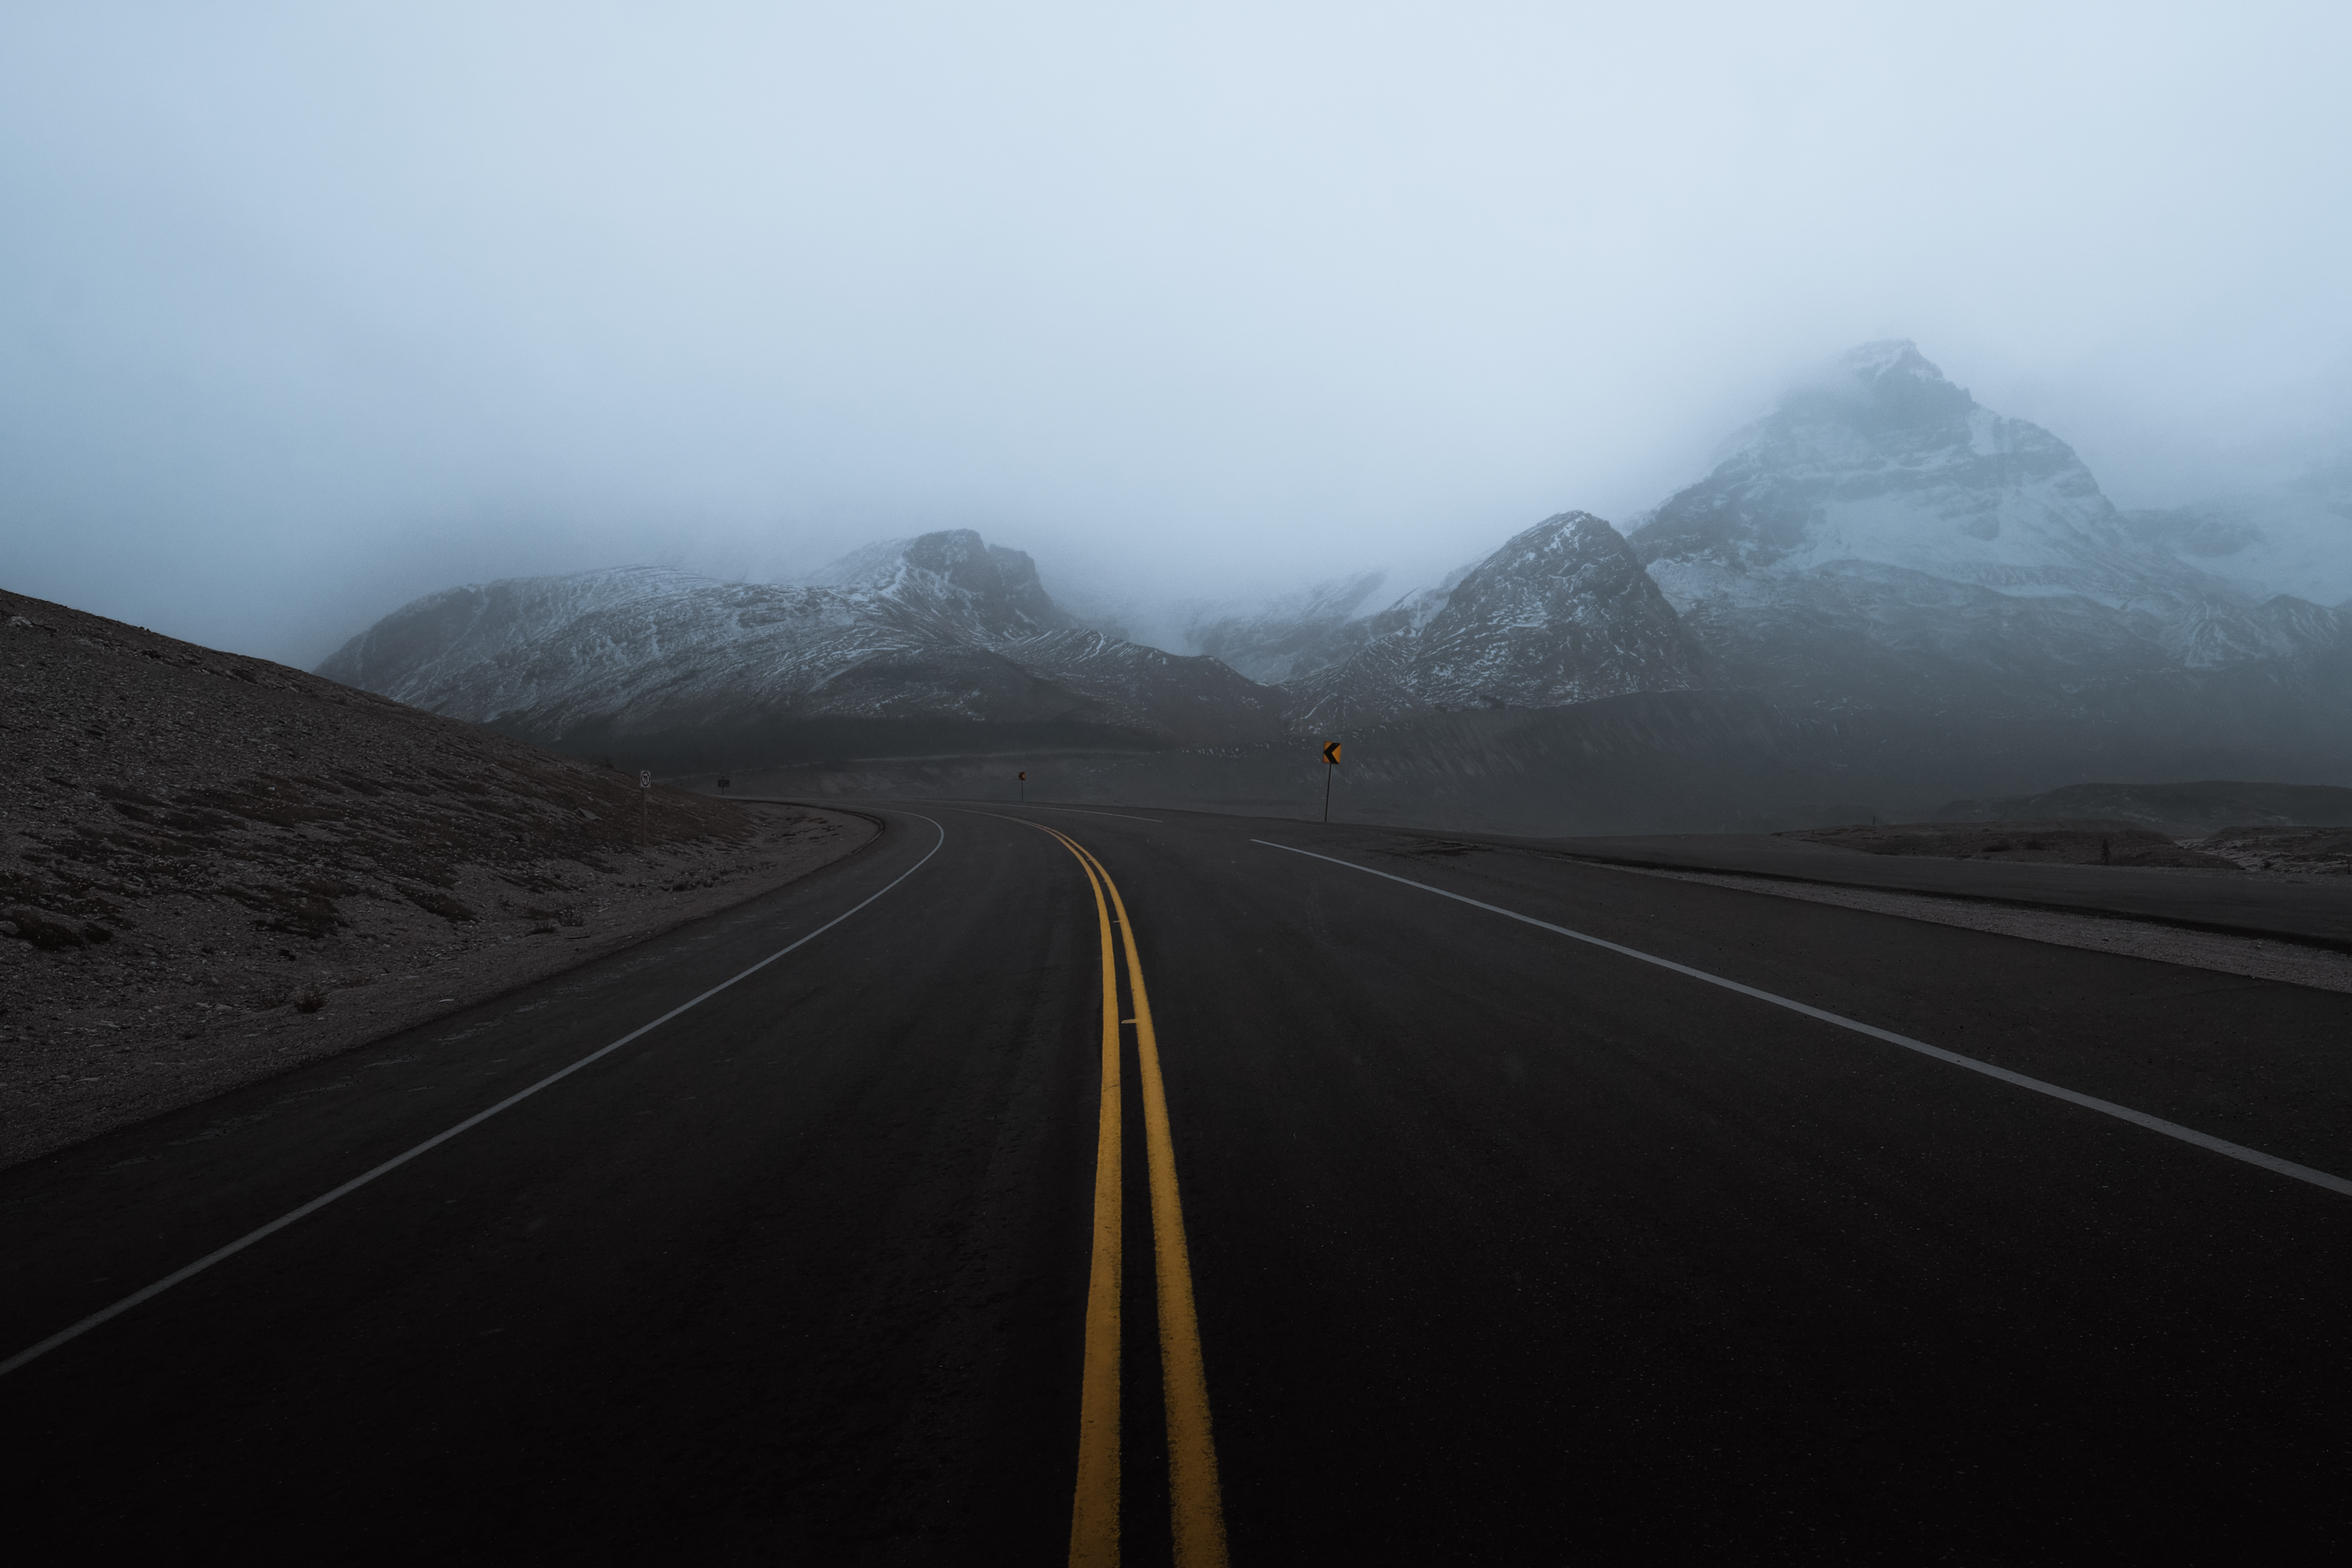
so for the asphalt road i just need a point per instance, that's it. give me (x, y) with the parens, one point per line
(1504, 1246)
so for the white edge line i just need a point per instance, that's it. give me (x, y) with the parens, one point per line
(315, 1204)
(2205, 1141)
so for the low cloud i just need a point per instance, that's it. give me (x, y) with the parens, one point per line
(305, 312)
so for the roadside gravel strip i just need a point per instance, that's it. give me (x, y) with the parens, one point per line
(111, 1036)
(2253, 957)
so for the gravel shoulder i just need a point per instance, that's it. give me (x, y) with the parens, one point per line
(106, 1036)
(2254, 958)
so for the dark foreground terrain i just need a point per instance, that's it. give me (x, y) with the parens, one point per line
(1507, 1246)
(213, 868)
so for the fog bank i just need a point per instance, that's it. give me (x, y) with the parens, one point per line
(306, 311)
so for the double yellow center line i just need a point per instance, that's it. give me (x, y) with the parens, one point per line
(1196, 1515)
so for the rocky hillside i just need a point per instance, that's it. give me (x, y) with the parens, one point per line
(943, 642)
(211, 867)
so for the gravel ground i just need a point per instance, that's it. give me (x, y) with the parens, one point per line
(214, 868)
(2289, 851)
(2253, 957)
(2078, 841)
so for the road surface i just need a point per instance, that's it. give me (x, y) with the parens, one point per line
(1576, 1215)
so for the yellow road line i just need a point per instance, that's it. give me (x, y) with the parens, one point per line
(1093, 1509)
(1196, 1509)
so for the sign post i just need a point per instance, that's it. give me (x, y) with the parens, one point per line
(1331, 758)
(645, 807)
(1024, 786)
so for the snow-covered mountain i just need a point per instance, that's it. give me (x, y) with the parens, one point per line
(1883, 538)
(1885, 461)
(1560, 613)
(940, 629)
(1881, 581)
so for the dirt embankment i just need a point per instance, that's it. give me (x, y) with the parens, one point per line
(213, 868)
(2073, 841)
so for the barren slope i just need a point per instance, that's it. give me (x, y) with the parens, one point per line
(213, 866)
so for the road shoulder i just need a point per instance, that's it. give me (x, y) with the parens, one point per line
(110, 1050)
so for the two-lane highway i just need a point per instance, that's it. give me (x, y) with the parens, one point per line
(1501, 1245)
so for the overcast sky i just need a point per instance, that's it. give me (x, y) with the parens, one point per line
(306, 309)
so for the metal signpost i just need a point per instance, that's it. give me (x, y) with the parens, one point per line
(645, 807)
(1331, 757)
(1024, 786)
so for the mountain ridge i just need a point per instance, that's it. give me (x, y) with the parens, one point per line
(939, 628)
(1909, 575)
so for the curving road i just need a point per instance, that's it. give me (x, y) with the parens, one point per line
(1527, 1211)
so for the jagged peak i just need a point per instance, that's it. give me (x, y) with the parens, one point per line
(998, 587)
(948, 552)
(1890, 356)
(1566, 557)
(1563, 531)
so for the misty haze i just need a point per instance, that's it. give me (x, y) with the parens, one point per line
(1296, 784)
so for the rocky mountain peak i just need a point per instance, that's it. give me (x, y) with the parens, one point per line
(1892, 359)
(954, 578)
(1901, 390)
(1885, 462)
(1567, 566)
(1561, 612)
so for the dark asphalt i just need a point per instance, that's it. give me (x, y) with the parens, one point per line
(1506, 1249)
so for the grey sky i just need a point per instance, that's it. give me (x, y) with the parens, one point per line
(306, 309)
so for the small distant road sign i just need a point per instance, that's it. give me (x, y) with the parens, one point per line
(722, 784)
(1024, 778)
(1330, 755)
(645, 778)
(1331, 752)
